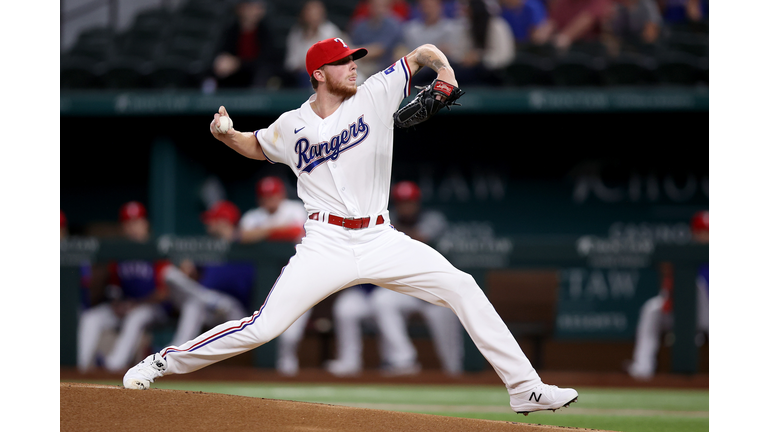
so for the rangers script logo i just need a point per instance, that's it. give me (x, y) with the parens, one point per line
(312, 155)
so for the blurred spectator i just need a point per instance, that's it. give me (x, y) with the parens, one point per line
(450, 10)
(410, 218)
(401, 9)
(486, 45)
(389, 310)
(64, 230)
(657, 313)
(221, 220)
(247, 54)
(278, 219)
(380, 33)
(528, 19)
(210, 293)
(577, 20)
(634, 22)
(684, 11)
(431, 27)
(133, 301)
(311, 27)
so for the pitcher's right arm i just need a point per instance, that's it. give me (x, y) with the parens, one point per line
(244, 143)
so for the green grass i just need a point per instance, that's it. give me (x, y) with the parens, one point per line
(626, 410)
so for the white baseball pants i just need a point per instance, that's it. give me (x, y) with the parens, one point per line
(198, 305)
(331, 258)
(94, 321)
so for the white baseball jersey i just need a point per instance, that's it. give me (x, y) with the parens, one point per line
(343, 162)
(289, 213)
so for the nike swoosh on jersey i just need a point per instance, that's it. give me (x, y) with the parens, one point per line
(298, 130)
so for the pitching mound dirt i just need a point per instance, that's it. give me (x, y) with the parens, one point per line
(91, 407)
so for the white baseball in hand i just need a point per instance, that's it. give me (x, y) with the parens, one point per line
(225, 124)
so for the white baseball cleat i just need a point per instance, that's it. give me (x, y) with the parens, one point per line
(339, 369)
(288, 366)
(542, 397)
(404, 370)
(139, 376)
(640, 373)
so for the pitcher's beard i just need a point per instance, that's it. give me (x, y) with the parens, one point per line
(336, 88)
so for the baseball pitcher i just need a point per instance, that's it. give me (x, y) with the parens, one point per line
(339, 145)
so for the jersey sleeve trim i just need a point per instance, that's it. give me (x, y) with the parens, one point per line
(256, 134)
(407, 72)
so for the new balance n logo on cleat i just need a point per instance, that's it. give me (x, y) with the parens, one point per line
(542, 397)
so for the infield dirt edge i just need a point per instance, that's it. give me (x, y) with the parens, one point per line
(95, 407)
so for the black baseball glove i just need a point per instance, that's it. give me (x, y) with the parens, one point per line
(425, 104)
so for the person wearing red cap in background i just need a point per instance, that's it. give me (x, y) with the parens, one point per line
(132, 298)
(656, 314)
(278, 219)
(390, 309)
(339, 145)
(209, 293)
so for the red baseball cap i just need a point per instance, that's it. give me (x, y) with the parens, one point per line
(222, 210)
(700, 222)
(132, 210)
(406, 191)
(269, 186)
(328, 51)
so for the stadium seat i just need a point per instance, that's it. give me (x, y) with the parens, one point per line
(576, 69)
(628, 69)
(95, 43)
(170, 74)
(691, 43)
(678, 69)
(78, 73)
(138, 45)
(196, 29)
(545, 50)
(591, 48)
(528, 70)
(151, 21)
(125, 73)
(638, 47)
(205, 9)
(185, 47)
